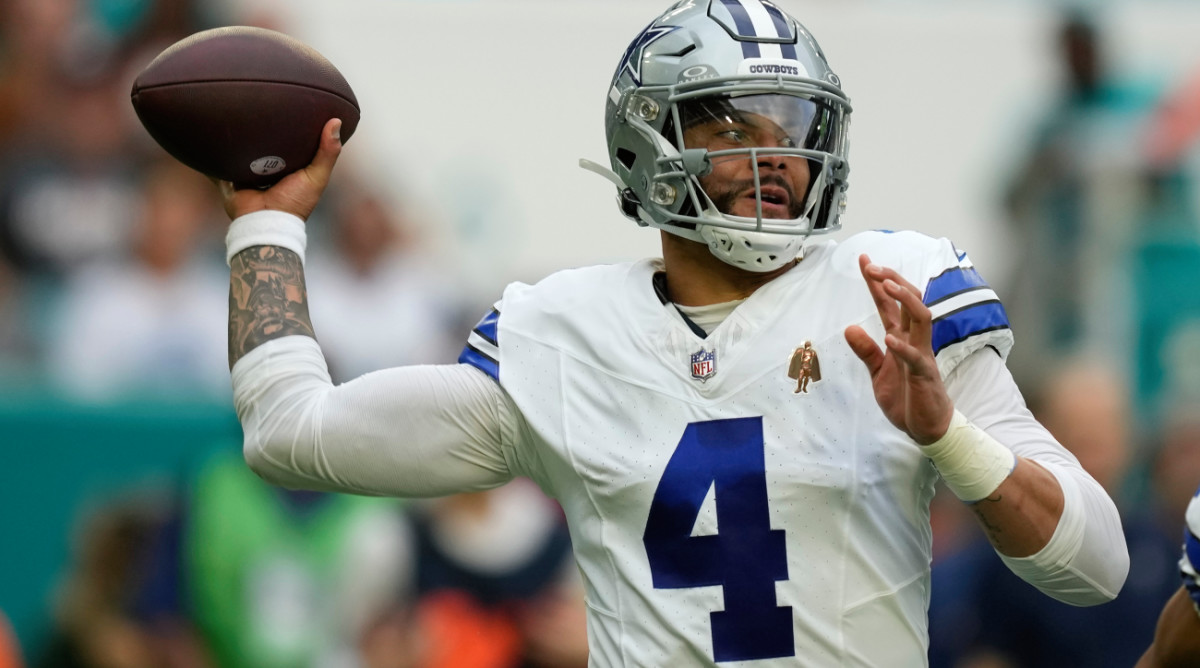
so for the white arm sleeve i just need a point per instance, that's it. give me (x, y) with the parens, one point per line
(1086, 560)
(409, 431)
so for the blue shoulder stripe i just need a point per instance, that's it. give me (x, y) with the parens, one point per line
(476, 358)
(1191, 550)
(953, 281)
(966, 322)
(483, 349)
(487, 327)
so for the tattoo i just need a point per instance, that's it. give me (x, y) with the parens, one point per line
(994, 532)
(267, 299)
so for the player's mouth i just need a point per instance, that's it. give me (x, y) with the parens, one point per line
(776, 201)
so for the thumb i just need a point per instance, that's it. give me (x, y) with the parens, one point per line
(327, 152)
(864, 347)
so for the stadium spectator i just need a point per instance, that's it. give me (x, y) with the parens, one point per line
(383, 300)
(71, 149)
(495, 581)
(69, 179)
(32, 35)
(144, 325)
(245, 575)
(1073, 201)
(94, 625)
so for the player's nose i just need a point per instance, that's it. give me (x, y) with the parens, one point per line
(772, 161)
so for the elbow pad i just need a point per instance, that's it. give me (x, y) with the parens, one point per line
(276, 391)
(1078, 565)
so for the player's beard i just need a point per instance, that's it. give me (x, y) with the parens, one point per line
(726, 197)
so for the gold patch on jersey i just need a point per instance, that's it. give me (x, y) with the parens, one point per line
(804, 367)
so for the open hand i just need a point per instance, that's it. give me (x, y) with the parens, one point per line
(298, 192)
(905, 377)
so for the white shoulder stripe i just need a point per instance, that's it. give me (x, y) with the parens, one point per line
(483, 345)
(962, 300)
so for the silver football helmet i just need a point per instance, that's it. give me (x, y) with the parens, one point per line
(725, 125)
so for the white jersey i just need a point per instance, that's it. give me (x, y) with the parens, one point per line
(1189, 564)
(717, 512)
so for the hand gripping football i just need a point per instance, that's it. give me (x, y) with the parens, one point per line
(242, 104)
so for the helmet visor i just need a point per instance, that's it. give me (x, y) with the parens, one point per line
(756, 121)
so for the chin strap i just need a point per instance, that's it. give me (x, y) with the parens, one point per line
(600, 169)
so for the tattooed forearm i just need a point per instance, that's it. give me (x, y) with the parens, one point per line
(994, 531)
(267, 299)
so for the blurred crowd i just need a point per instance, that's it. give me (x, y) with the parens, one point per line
(1103, 213)
(113, 289)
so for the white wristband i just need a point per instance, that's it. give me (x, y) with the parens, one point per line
(972, 463)
(265, 228)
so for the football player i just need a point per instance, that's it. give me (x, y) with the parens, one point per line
(1177, 637)
(717, 515)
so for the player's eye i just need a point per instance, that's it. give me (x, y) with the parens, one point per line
(731, 138)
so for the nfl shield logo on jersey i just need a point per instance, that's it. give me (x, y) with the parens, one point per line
(704, 364)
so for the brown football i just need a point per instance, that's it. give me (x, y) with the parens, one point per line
(242, 104)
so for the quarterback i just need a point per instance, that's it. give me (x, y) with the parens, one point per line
(745, 432)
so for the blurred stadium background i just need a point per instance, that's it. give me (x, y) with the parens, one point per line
(475, 113)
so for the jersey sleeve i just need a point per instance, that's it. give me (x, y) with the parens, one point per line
(410, 431)
(1189, 564)
(967, 313)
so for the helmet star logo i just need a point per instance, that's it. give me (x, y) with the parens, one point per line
(632, 60)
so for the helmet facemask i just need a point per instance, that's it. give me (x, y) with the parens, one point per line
(756, 168)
